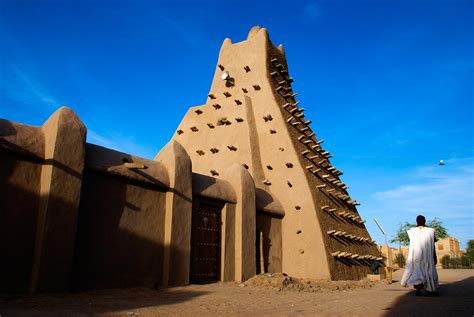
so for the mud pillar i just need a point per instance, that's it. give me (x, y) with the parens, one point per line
(245, 221)
(60, 188)
(178, 215)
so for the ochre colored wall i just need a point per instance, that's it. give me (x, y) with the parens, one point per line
(263, 145)
(120, 209)
(120, 233)
(248, 145)
(269, 230)
(255, 120)
(19, 198)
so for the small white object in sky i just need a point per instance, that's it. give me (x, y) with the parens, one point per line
(441, 162)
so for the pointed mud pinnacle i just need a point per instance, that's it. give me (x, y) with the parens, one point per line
(269, 102)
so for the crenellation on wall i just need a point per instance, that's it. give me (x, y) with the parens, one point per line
(22, 140)
(60, 186)
(113, 162)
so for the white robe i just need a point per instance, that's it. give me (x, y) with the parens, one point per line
(420, 266)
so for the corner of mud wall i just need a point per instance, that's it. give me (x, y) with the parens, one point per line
(178, 214)
(245, 221)
(21, 157)
(40, 183)
(60, 188)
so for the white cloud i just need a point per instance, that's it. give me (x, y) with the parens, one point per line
(121, 143)
(445, 192)
(28, 91)
(95, 138)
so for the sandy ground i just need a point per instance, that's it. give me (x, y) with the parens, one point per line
(281, 297)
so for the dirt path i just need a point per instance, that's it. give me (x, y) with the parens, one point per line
(229, 299)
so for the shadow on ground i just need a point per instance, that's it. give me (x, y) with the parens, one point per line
(93, 302)
(446, 304)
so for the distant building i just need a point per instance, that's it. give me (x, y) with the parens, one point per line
(448, 246)
(390, 254)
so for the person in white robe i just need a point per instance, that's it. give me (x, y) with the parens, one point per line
(420, 269)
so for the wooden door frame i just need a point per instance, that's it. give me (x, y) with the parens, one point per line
(218, 206)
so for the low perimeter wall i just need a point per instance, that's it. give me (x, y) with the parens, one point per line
(77, 216)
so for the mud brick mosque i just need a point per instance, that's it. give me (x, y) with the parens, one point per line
(243, 187)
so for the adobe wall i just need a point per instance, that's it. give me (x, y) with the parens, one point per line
(39, 196)
(233, 122)
(50, 179)
(323, 181)
(252, 118)
(120, 239)
(21, 149)
(71, 211)
(80, 216)
(269, 243)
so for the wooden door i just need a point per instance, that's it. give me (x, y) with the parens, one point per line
(205, 241)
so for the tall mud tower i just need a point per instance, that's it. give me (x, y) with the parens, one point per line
(252, 118)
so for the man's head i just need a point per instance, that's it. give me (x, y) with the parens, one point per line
(420, 220)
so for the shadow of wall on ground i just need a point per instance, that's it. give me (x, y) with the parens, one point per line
(455, 299)
(95, 302)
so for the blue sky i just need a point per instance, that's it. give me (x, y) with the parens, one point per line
(388, 84)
